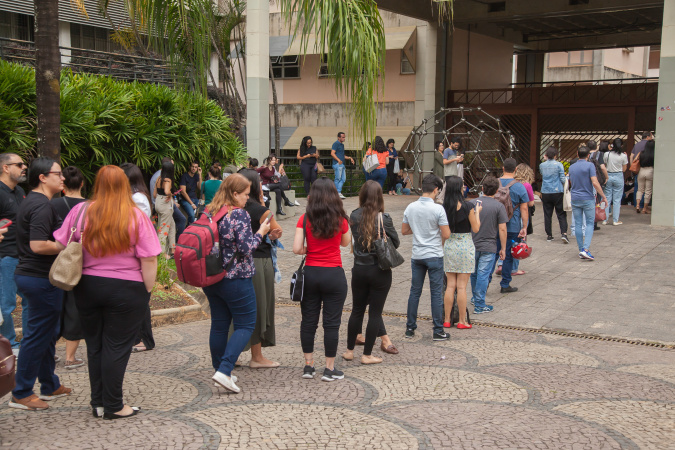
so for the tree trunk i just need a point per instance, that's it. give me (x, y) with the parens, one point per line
(47, 74)
(275, 109)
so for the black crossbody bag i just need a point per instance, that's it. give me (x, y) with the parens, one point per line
(298, 278)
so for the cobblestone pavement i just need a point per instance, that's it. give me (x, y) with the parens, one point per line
(486, 388)
(628, 291)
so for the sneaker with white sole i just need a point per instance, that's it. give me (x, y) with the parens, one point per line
(341, 196)
(617, 223)
(226, 382)
(62, 391)
(332, 375)
(296, 203)
(308, 372)
(30, 403)
(604, 222)
(234, 378)
(443, 336)
(565, 239)
(483, 309)
(585, 254)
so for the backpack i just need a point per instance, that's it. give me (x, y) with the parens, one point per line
(598, 170)
(503, 196)
(197, 254)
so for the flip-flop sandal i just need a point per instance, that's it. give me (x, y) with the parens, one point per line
(520, 272)
(136, 349)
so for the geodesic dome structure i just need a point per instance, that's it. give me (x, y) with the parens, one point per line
(485, 142)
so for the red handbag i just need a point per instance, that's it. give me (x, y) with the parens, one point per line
(600, 214)
(7, 363)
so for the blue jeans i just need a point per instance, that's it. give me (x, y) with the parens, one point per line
(419, 270)
(231, 301)
(340, 176)
(39, 338)
(480, 278)
(379, 175)
(614, 193)
(581, 208)
(189, 210)
(583, 225)
(507, 266)
(400, 189)
(179, 219)
(8, 298)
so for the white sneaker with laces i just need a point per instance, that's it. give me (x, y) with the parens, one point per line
(226, 382)
(341, 196)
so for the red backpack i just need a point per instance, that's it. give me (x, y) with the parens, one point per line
(197, 255)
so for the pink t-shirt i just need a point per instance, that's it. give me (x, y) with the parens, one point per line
(123, 266)
(530, 191)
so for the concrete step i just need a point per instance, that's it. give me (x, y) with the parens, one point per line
(288, 210)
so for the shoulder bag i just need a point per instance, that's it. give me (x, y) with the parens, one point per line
(387, 255)
(635, 165)
(370, 162)
(298, 278)
(567, 197)
(319, 168)
(66, 270)
(7, 364)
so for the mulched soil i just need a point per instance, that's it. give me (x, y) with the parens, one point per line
(161, 298)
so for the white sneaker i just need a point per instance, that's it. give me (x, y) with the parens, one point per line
(225, 381)
(604, 222)
(234, 378)
(16, 352)
(296, 203)
(341, 196)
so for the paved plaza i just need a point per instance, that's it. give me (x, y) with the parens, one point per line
(486, 388)
(627, 292)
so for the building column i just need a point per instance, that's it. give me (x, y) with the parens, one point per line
(257, 78)
(64, 41)
(663, 211)
(426, 100)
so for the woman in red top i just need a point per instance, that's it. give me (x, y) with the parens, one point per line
(327, 228)
(268, 178)
(379, 174)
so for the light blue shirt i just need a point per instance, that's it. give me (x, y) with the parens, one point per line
(580, 178)
(425, 218)
(518, 196)
(552, 177)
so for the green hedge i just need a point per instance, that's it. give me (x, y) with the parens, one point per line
(106, 121)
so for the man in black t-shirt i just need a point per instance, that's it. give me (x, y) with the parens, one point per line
(189, 183)
(12, 172)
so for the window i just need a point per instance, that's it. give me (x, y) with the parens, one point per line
(90, 38)
(17, 26)
(284, 67)
(406, 67)
(580, 58)
(323, 70)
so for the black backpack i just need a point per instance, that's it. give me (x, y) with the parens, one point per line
(597, 161)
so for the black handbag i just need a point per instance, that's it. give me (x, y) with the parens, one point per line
(7, 367)
(387, 255)
(454, 314)
(298, 278)
(284, 182)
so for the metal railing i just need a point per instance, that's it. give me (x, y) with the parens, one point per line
(115, 65)
(354, 174)
(637, 80)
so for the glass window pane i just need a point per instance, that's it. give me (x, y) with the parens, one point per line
(292, 72)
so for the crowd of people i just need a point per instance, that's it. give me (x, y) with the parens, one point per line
(454, 241)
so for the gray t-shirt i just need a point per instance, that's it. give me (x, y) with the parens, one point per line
(492, 214)
(425, 219)
(450, 169)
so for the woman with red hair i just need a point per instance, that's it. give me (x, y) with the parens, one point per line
(120, 248)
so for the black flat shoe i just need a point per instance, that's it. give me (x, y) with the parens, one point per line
(288, 203)
(281, 213)
(97, 411)
(113, 416)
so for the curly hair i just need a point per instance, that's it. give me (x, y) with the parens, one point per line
(524, 173)
(324, 209)
(378, 145)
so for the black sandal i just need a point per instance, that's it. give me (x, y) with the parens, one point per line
(113, 416)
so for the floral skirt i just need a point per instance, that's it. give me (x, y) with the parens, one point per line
(459, 254)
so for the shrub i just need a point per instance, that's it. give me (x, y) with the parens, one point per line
(106, 121)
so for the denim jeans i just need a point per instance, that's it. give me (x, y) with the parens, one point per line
(583, 225)
(340, 176)
(419, 270)
(8, 298)
(39, 339)
(614, 193)
(401, 190)
(379, 175)
(231, 301)
(584, 210)
(480, 278)
(180, 220)
(189, 210)
(507, 266)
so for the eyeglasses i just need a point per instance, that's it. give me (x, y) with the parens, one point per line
(60, 174)
(19, 164)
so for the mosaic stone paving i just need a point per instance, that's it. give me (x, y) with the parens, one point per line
(486, 388)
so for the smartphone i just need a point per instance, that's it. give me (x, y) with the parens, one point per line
(479, 203)
(4, 223)
(269, 218)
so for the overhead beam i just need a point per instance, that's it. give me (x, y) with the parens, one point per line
(417, 9)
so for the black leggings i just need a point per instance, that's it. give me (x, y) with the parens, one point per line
(551, 202)
(111, 312)
(308, 174)
(391, 176)
(145, 333)
(327, 286)
(278, 190)
(370, 287)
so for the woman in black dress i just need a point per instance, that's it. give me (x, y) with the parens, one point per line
(308, 156)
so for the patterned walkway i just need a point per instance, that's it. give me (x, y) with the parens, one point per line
(486, 388)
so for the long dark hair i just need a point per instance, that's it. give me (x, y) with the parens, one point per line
(371, 203)
(324, 209)
(168, 170)
(252, 176)
(378, 145)
(136, 180)
(647, 155)
(39, 166)
(453, 195)
(618, 146)
(303, 145)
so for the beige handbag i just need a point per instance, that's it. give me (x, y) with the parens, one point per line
(66, 270)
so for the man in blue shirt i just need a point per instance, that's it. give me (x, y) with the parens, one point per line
(582, 181)
(338, 154)
(189, 183)
(516, 228)
(552, 192)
